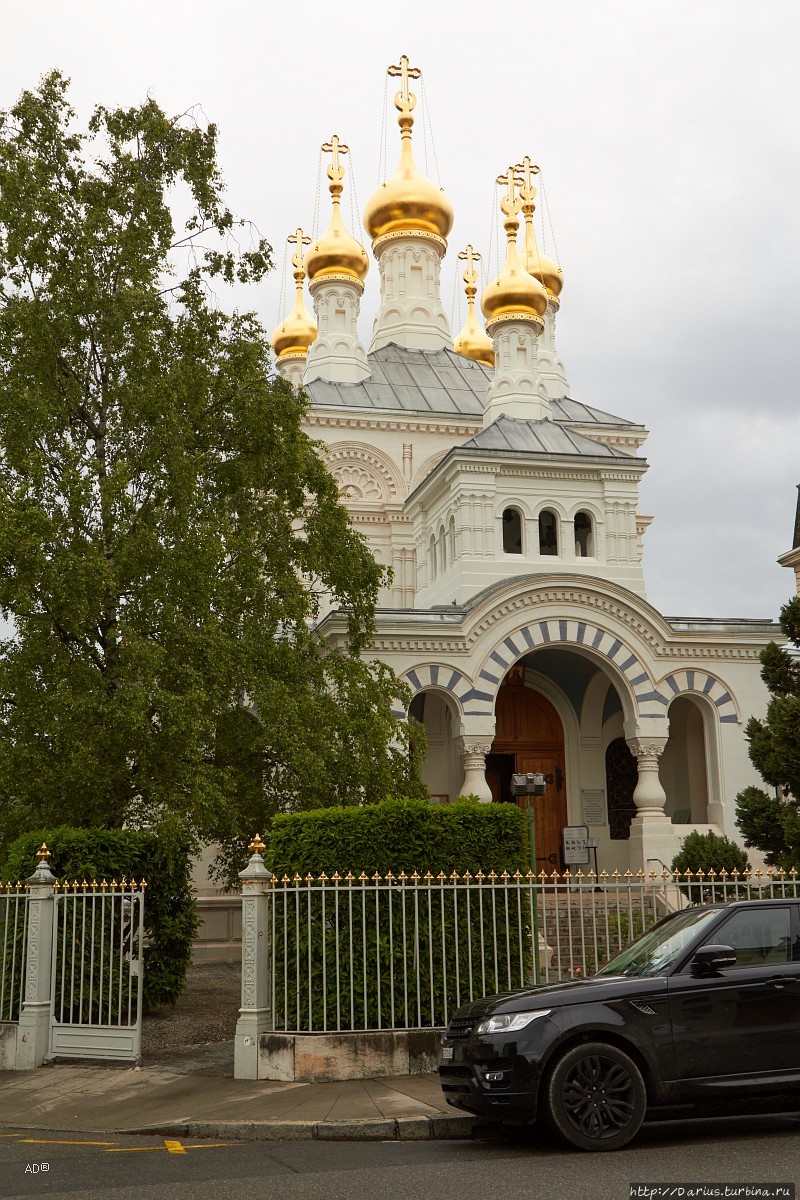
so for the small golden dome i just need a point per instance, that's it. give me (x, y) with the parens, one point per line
(514, 293)
(407, 201)
(540, 266)
(336, 252)
(473, 341)
(296, 333)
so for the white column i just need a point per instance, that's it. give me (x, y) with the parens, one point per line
(516, 388)
(255, 1014)
(550, 366)
(292, 368)
(33, 1031)
(653, 842)
(336, 353)
(411, 312)
(473, 751)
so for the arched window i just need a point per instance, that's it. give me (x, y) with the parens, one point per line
(584, 536)
(432, 557)
(512, 531)
(441, 549)
(548, 533)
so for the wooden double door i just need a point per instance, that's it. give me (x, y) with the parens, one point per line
(529, 737)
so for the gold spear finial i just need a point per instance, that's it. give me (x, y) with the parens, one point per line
(43, 853)
(405, 101)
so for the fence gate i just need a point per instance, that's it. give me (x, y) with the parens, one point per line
(96, 973)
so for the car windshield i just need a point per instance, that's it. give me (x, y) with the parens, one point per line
(656, 950)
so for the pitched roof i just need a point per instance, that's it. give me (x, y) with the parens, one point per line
(512, 435)
(435, 383)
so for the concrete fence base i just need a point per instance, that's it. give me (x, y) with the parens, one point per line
(331, 1057)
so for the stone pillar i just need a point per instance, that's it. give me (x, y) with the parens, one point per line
(255, 1014)
(516, 389)
(411, 312)
(33, 1031)
(336, 353)
(292, 368)
(473, 751)
(653, 842)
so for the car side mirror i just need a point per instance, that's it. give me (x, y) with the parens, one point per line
(710, 959)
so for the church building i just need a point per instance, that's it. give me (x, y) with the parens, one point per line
(508, 511)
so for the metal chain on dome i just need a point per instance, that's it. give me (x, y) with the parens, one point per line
(355, 211)
(384, 118)
(427, 114)
(546, 208)
(281, 309)
(493, 240)
(453, 302)
(315, 225)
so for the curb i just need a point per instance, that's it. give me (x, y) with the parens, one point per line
(373, 1129)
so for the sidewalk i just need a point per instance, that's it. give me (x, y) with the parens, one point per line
(193, 1095)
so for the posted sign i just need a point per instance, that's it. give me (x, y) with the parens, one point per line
(576, 844)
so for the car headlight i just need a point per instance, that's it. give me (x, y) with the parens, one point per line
(510, 1022)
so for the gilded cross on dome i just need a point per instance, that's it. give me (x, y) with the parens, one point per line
(510, 203)
(526, 189)
(299, 240)
(405, 100)
(334, 147)
(470, 256)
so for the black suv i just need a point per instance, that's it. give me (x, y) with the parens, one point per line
(705, 1004)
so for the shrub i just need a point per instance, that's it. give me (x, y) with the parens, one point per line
(710, 851)
(162, 860)
(367, 949)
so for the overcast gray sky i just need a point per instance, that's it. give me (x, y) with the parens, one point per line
(668, 137)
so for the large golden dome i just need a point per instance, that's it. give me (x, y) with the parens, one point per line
(473, 341)
(514, 293)
(336, 252)
(297, 331)
(407, 201)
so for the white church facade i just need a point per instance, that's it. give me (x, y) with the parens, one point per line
(508, 512)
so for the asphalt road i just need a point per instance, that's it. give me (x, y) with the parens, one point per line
(724, 1150)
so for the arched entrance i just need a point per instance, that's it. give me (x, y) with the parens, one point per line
(529, 736)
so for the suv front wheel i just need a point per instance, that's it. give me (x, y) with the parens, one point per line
(596, 1097)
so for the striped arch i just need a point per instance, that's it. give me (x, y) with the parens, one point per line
(679, 683)
(458, 687)
(626, 666)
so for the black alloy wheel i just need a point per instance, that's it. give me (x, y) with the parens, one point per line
(596, 1097)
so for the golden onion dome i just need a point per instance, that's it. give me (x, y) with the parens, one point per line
(407, 201)
(514, 293)
(297, 331)
(540, 266)
(336, 252)
(473, 341)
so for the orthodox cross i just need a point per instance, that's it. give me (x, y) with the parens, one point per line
(334, 147)
(405, 100)
(299, 241)
(527, 190)
(471, 257)
(510, 203)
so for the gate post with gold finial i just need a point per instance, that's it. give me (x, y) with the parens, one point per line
(33, 1031)
(255, 1014)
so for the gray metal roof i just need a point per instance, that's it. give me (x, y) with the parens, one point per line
(538, 437)
(433, 382)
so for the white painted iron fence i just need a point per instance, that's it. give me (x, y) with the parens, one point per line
(13, 937)
(96, 976)
(405, 951)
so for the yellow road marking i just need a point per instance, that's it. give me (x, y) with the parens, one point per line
(132, 1149)
(56, 1142)
(174, 1147)
(169, 1146)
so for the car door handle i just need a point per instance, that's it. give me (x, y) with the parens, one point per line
(777, 982)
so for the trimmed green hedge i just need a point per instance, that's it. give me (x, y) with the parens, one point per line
(163, 861)
(368, 952)
(400, 835)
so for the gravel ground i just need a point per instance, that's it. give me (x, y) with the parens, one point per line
(205, 1014)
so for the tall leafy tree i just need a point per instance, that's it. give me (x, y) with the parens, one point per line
(771, 821)
(167, 530)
